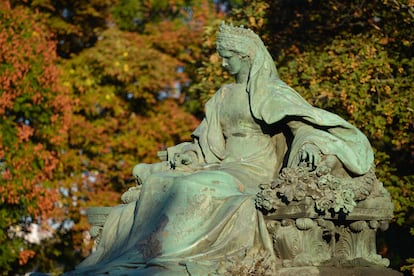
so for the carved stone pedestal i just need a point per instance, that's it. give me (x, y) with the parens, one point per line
(325, 222)
(302, 237)
(318, 244)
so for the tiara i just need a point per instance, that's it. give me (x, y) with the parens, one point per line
(241, 39)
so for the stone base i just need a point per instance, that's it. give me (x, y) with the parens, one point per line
(337, 271)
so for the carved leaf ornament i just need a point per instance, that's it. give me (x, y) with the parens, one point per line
(329, 193)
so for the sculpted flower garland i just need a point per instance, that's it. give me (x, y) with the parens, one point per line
(330, 193)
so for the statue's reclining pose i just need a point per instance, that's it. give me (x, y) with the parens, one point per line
(196, 212)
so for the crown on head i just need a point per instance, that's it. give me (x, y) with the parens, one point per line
(230, 29)
(240, 39)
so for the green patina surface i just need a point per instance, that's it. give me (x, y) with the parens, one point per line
(196, 212)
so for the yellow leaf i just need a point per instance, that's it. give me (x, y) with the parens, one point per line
(214, 58)
(387, 89)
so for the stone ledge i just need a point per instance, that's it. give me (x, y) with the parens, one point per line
(337, 271)
(379, 208)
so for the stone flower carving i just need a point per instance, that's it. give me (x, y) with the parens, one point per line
(329, 193)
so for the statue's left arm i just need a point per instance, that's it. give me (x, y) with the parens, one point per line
(316, 132)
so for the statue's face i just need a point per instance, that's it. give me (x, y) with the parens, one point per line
(231, 61)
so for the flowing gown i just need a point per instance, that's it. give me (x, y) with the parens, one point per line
(197, 222)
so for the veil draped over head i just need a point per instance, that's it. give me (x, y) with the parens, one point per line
(272, 100)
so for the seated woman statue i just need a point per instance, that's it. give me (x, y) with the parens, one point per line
(196, 212)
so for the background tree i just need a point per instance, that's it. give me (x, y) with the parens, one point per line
(35, 115)
(76, 24)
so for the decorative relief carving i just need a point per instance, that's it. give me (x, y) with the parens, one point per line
(316, 218)
(329, 193)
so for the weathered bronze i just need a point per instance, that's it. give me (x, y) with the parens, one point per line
(269, 183)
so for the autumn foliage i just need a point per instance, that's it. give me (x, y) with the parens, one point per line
(72, 129)
(35, 116)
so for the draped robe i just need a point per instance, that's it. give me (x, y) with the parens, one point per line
(197, 221)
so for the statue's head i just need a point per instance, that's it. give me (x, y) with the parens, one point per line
(249, 48)
(239, 40)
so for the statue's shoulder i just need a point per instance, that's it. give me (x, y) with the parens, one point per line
(285, 94)
(224, 89)
(279, 86)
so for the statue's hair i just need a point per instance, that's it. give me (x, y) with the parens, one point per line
(238, 39)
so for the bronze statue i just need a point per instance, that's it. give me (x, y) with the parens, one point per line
(202, 209)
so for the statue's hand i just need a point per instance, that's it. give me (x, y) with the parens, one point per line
(310, 154)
